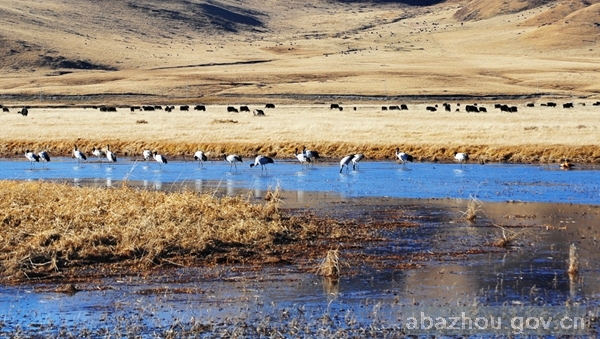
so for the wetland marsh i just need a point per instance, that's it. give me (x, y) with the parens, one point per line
(401, 233)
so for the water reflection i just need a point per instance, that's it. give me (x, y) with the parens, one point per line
(459, 172)
(300, 197)
(331, 286)
(231, 187)
(491, 182)
(199, 185)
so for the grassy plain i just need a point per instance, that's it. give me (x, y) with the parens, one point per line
(538, 134)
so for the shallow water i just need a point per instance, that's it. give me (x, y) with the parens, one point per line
(560, 209)
(491, 182)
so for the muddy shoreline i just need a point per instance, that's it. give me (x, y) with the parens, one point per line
(371, 225)
(582, 157)
(400, 253)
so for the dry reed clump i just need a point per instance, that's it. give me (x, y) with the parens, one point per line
(51, 227)
(330, 266)
(475, 206)
(506, 239)
(273, 195)
(327, 150)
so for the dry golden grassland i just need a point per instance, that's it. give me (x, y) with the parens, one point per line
(51, 229)
(538, 134)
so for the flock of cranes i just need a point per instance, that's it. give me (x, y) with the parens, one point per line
(306, 157)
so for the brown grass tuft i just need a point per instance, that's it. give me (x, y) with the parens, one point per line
(506, 239)
(475, 206)
(331, 265)
(274, 196)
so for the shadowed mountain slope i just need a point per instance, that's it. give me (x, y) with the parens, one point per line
(58, 34)
(485, 9)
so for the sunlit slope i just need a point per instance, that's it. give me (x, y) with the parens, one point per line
(225, 51)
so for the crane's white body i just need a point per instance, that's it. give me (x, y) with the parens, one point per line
(98, 153)
(356, 159)
(345, 162)
(200, 157)
(310, 155)
(110, 155)
(302, 157)
(233, 159)
(147, 154)
(44, 156)
(403, 157)
(262, 161)
(160, 159)
(32, 157)
(461, 157)
(79, 155)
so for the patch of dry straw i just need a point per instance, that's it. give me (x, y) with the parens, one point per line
(328, 150)
(47, 228)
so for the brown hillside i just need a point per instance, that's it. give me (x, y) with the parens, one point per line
(485, 9)
(571, 25)
(558, 12)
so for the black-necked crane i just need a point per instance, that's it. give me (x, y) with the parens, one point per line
(79, 155)
(147, 154)
(160, 159)
(110, 155)
(356, 159)
(312, 155)
(346, 162)
(44, 156)
(200, 157)
(32, 157)
(461, 157)
(262, 161)
(98, 153)
(233, 159)
(301, 157)
(403, 157)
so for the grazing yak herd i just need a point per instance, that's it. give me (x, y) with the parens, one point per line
(473, 108)
(230, 109)
(24, 111)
